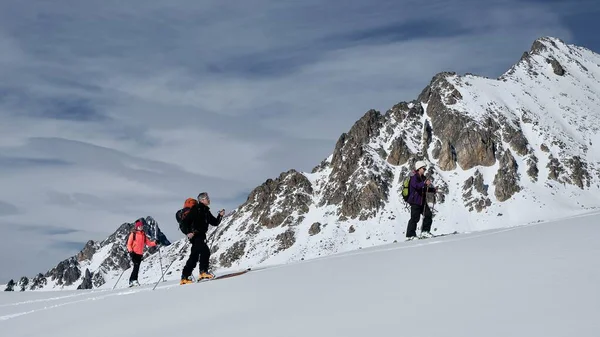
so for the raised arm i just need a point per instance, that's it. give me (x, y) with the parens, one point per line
(417, 185)
(149, 242)
(212, 220)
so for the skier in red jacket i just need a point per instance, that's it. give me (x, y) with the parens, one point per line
(135, 246)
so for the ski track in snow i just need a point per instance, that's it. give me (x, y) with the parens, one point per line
(97, 294)
(95, 298)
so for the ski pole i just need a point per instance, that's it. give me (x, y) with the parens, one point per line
(120, 277)
(212, 240)
(113, 288)
(214, 234)
(425, 203)
(156, 240)
(160, 259)
(163, 274)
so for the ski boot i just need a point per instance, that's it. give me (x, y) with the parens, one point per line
(205, 276)
(426, 235)
(185, 281)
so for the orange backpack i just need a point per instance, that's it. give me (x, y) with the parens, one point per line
(190, 202)
(182, 213)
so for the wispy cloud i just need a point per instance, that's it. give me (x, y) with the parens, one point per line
(45, 229)
(110, 112)
(19, 163)
(8, 208)
(68, 246)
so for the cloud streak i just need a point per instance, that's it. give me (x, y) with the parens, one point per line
(7, 208)
(111, 112)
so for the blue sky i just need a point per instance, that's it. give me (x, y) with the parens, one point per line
(111, 111)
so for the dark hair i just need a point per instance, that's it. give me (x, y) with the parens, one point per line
(203, 195)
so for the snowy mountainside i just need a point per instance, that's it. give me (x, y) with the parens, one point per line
(504, 151)
(97, 263)
(508, 151)
(539, 284)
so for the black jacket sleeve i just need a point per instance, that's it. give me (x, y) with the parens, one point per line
(212, 220)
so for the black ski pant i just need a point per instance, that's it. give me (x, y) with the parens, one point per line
(137, 260)
(200, 252)
(415, 216)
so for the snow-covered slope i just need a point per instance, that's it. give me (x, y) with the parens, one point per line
(535, 280)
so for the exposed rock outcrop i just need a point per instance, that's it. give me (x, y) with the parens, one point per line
(447, 157)
(38, 282)
(233, 254)
(473, 144)
(286, 240)
(314, 229)
(66, 272)
(87, 281)
(476, 201)
(87, 252)
(507, 179)
(556, 67)
(10, 286)
(400, 152)
(272, 203)
(580, 175)
(351, 162)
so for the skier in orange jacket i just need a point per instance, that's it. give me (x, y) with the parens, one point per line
(135, 246)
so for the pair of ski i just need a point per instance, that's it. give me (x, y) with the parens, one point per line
(430, 237)
(434, 236)
(217, 277)
(222, 276)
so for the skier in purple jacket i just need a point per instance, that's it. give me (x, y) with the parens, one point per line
(418, 204)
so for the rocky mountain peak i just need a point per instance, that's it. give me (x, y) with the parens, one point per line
(271, 203)
(542, 44)
(546, 51)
